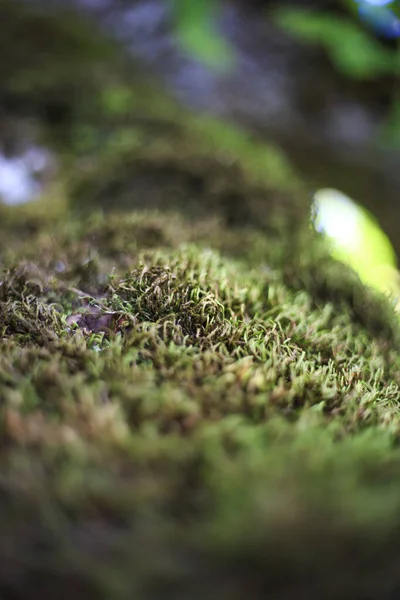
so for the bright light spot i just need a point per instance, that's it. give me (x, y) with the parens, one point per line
(18, 175)
(377, 2)
(338, 217)
(356, 240)
(383, 20)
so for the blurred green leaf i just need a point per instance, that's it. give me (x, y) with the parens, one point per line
(198, 34)
(354, 52)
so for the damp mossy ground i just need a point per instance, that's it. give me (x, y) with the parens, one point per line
(184, 414)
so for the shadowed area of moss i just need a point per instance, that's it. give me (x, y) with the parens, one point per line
(155, 155)
(185, 414)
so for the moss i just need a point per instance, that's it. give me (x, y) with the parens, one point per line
(155, 155)
(185, 414)
(196, 400)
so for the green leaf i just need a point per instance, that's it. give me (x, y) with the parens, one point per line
(353, 51)
(197, 33)
(356, 239)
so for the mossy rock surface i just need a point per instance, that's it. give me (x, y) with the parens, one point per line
(196, 400)
(185, 414)
(155, 155)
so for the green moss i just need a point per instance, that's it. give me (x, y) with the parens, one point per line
(185, 414)
(155, 155)
(196, 401)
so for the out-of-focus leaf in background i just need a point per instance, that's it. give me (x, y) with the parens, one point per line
(197, 32)
(353, 51)
(355, 238)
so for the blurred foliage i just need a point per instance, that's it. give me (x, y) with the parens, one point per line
(355, 238)
(67, 75)
(61, 61)
(54, 63)
(355, 47)
(352, 50)
(197, 32)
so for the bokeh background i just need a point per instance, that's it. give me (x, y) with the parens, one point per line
(318, 78)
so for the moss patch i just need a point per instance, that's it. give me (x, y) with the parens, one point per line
(185, 414)
(195, 400)
(153, 155)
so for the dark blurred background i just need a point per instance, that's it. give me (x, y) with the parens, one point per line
(321, 78)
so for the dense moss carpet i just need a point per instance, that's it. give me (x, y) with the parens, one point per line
(185, 414)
